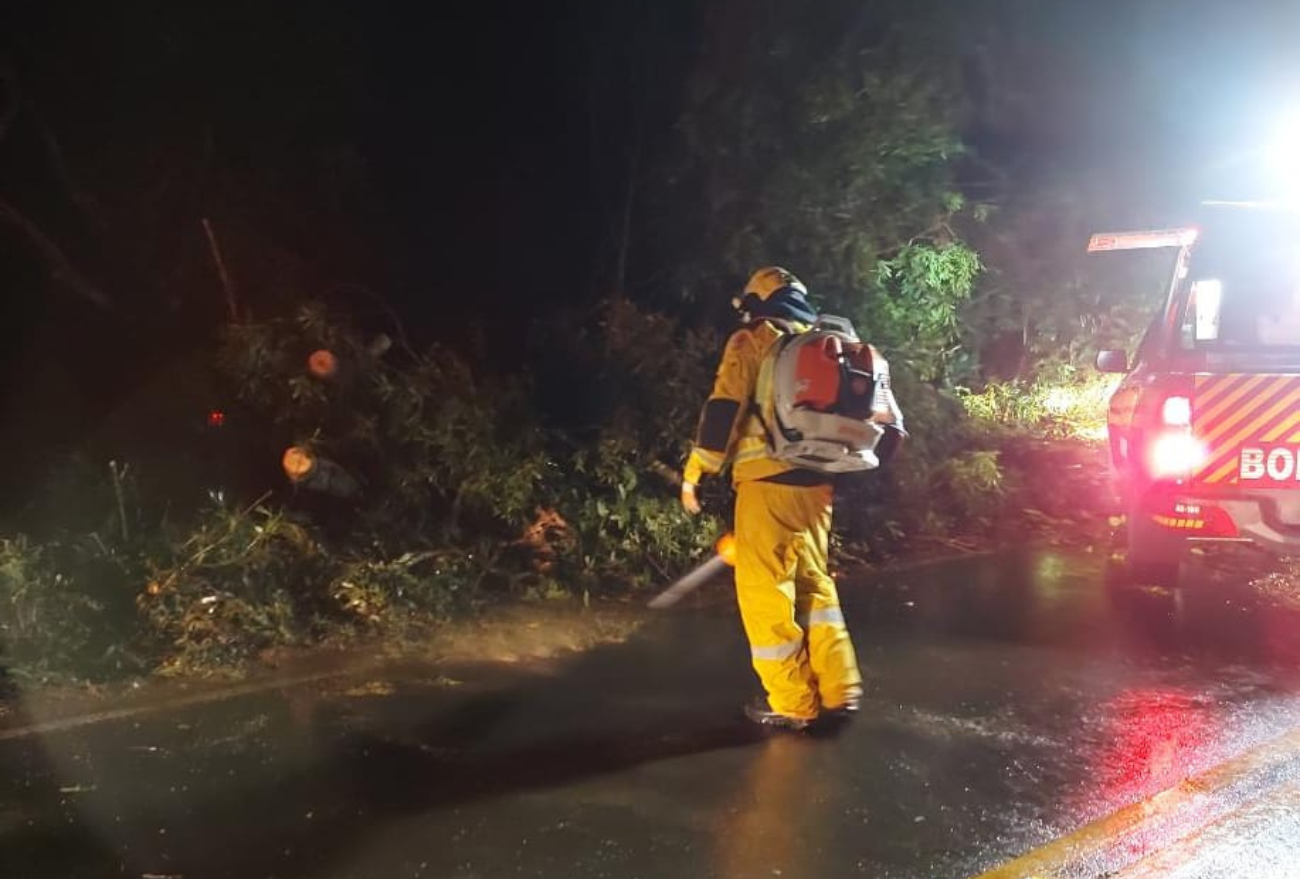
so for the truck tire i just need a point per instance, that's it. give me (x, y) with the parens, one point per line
(1154, 556)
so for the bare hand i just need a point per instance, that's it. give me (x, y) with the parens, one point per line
(690, 501)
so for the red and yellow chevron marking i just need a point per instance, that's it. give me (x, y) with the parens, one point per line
(1231, 410)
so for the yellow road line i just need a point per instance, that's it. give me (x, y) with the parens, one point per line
(1090, 840)
(1229, 832)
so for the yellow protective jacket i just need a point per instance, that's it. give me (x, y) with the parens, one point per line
(729, 431)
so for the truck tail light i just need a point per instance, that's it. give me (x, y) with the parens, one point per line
(1175, 455)
(1170, 450)
(1176, 412)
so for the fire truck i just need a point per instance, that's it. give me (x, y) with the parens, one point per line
(1204, 428)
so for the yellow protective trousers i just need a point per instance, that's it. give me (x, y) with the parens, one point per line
(800, 646)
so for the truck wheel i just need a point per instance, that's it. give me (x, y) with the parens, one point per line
(1154, 556)
(1154, 573)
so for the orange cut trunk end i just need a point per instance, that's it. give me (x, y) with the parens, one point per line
(298, 463)
(323, 364)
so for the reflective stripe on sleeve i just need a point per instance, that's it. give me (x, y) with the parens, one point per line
(712, 461)
(826, 616)
(750, 448)
(779, 651)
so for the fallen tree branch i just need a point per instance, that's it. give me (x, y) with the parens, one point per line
(226, 283)
(61, 268)
(14, 101)
(80, 196)
(395, 322)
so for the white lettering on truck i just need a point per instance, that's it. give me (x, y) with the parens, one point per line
(1280, 464)
(1252, 463)
(1269, 463)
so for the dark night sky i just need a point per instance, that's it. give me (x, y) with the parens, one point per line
(473, 117)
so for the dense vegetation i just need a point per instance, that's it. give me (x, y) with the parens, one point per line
(485, 450)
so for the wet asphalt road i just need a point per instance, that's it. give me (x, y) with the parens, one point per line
(1010, 701)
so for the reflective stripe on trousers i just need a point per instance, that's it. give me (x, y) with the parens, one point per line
(778, 652)
(825, 616)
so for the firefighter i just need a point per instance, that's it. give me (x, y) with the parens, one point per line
(799, 644)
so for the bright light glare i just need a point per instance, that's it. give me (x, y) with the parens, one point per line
(1177, 412)
(1207, 293)
(1176, 455)
(1060, 400)
(1283, 156)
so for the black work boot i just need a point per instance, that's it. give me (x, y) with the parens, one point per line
(761, 713)
(847, 711)
(848, 708)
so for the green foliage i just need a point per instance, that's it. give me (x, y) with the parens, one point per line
(972, 484)
(415, 585)
(626, 527)
(1043, 302)
(65, 608)
(827, 143)
(919, 294)
(247, 580)
(638, 378)
(44, 619)
(433, 441)
(240, 581)
(452, 465)
(884, 511)
(1064, 403)
(623, 372)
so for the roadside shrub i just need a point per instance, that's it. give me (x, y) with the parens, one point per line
(65, 609)
(239, 582)
(1062, 403)
(622, 389)
(972, 485)
(879, 511)
(463, 487)
(247, 580)
(427, 585)
(621, 372)
(461, 494)
(436, 447)
(627, 524)
(45, 615)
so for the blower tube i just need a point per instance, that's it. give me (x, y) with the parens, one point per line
(723, 558)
